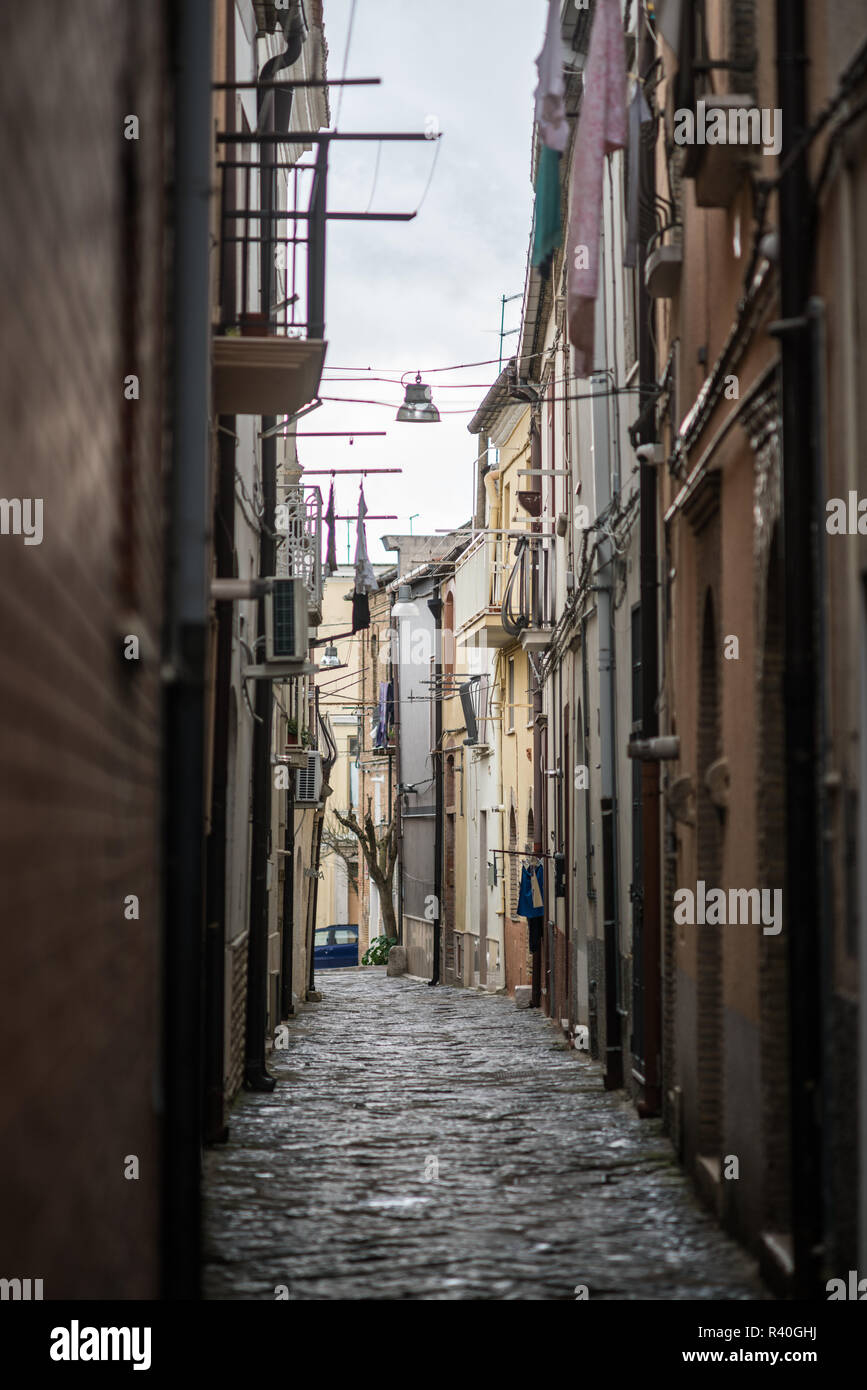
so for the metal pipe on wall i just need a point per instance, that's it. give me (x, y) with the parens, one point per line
(436, 607)
(538, 778)
(799, 511)
(651, 849)
(608, 779)
(186, 636)
(288, 939)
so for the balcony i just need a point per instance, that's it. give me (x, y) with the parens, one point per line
(527, 599)
(299, 552)
(479, 595)
(269, 346)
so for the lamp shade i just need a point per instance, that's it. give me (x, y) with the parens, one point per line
(403, 606)
(330, 657)
(418, 407)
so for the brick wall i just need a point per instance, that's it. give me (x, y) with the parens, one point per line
(81, 279)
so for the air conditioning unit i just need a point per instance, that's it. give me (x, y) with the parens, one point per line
(308, 780)
(286, 631)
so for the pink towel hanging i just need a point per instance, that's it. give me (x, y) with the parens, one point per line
(601, 129)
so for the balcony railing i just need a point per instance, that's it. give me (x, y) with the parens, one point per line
(527, 600)
(269, 348)
(276, 220)
(478, 589)
(299, 553)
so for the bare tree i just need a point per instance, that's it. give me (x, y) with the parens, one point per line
(346, 849)
(380, 855)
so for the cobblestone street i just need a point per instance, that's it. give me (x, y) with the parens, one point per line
(417, 1143)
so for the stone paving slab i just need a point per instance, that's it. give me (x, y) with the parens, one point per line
(439, 1144)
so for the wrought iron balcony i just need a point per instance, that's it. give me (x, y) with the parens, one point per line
(269, 348)
(299, 553)
(527, 608)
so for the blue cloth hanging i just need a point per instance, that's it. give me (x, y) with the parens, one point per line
(526, 907)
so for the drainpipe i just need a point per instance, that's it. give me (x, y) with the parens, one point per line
(817, 314)
(215, 1130)
(436, 607)
(651, 887)
(256, 1075)
(481, 478)
(799, 520)
(313, 899)
(608, 781)
(286, 1006)
(538, 779)
(185, 649)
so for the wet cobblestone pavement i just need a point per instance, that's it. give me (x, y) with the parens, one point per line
(438, 1144)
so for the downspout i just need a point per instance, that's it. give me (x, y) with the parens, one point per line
(799, 513)
(287, 944)
(651, 888)
(436, 607)
(605, 632)
(538, 779)
(817, 314)
(313, 899)
(215, 1130)
(481, 475)
(319, 827)
(256, 1074)
(185, 646)
(393, 675)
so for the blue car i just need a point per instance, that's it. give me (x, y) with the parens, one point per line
(335, 947)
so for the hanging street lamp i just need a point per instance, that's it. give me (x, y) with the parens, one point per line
(418, 407)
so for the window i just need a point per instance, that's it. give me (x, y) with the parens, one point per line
(510, 698)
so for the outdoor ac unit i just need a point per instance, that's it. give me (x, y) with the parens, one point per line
(308, 780)
(286, 631)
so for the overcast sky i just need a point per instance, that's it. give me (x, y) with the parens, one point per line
(424, 294)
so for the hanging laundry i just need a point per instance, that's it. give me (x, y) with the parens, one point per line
(668, 21)
(360, 612)
(547, 234)
(386, 712)
(389, 712)
(365, 579)
(639, 115)
(554, 137)
(550, 90)
(530, 899)
(535, 933)
(536, 888)
(330, 535)
(601, 130)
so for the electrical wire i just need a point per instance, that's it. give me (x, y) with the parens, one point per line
(375, 176)
(345, 62)
(430, 175)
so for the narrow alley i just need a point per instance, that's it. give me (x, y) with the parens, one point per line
(433, 714)
(440, 1144)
